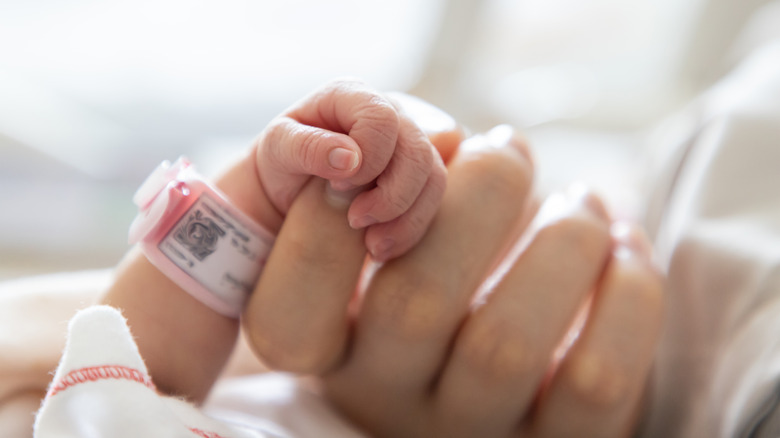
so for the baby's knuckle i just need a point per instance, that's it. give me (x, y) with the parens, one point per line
(382, 123)
(398, 201)
(418, 223)
(306, 154)
(419, 153)
(273, 134)
(438, 179)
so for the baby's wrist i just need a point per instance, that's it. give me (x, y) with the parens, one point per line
(193, 234)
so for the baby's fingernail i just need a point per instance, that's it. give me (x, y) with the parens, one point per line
(340, 198)
(382, 249)
(343, 159)
(363, 222)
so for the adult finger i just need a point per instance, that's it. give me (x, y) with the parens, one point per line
(504, 349)
(296, 319)
(415, 302)
(599, 384)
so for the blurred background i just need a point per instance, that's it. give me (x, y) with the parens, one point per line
(95, 93)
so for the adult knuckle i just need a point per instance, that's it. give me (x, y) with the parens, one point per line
(597, 381)
(415, 307)
(498, 353)
(294, 355)
(500, 177)
(643, 286)
(307, 251)
(585, 238)
(302, 349)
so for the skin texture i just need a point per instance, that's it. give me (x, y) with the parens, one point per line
(428, 350)
(394, 162)
(380, 154)
(425, 347)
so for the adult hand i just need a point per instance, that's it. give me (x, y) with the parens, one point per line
(426, 351)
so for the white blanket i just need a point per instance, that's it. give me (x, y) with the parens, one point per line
(102, 389)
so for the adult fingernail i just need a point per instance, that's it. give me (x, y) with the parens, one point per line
(500, 136)
(343, 159)
(340, 198)
(428, 117)
(381, 251)
(630, 237)
(363, 222)
(497, 138)
(505, 135)
(552, 209)
(342, 186)
(580, 193)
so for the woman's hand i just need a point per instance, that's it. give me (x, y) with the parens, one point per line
(430, 348)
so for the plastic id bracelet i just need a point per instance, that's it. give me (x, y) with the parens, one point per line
(194, 235)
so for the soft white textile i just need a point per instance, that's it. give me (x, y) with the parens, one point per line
(716, 217)
(102, 389)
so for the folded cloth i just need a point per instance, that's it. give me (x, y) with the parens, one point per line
(102, 389)
(716, 221)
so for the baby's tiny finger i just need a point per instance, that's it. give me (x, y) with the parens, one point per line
(391, 239)
(290, 151)
(599, 384)
(440, 127)
(353, 108)
(400, 184)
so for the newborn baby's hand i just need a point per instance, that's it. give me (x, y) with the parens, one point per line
(360, 141)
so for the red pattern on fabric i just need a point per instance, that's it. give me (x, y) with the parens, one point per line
(205, 434)
(100, 372)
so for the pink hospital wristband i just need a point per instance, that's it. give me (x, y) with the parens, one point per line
(191, 232)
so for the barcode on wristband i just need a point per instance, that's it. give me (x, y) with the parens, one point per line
(213, 247)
